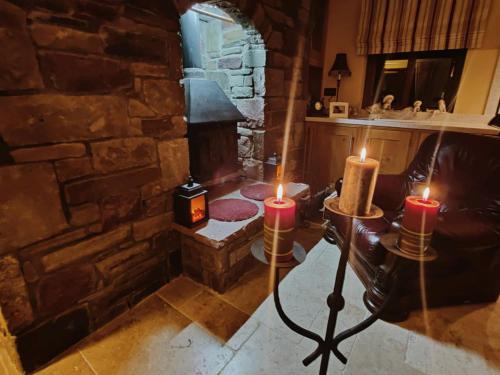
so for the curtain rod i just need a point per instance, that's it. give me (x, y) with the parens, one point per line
(213, 15)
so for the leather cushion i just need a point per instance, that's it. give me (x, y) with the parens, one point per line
(465, 230)
(465, 171)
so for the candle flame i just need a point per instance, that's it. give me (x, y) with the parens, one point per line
(363, 154)
(279, 194)
(426, 193)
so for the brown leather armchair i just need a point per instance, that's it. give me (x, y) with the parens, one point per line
(465, 178)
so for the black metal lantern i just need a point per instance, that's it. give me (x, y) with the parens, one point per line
(190, 204)
(272, 168)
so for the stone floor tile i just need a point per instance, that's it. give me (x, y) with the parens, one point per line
(180, 290)
(72, 363)
(309, 236)
(193, 351)
(135, 342)
(463, 339)
(327, 264)
(440, 358)
(347, 318)
(301, 308)
(215, 314)
(419, 352)
(380, 349)
(250, 291)
(268, 352)
(253, 287)
(243, 334)
(155, 338)
(302, 294)
(304, 291)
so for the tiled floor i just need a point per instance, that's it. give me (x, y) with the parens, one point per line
(187, 329)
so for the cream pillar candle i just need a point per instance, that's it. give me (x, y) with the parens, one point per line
(360, 177)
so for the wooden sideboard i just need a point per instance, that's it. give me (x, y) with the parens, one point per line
(329, 143)
(394, 143)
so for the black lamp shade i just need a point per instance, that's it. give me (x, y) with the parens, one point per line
(340, 66)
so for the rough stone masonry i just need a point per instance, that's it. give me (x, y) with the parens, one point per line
(92, 144)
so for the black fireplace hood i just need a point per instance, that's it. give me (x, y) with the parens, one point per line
(206, 102)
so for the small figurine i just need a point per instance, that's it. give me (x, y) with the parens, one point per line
(387, 102)
(442, 105)
(417, 104)
(374, 108)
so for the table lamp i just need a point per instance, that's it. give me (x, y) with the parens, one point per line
(340, 69)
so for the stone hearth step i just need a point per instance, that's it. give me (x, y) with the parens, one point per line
(217, 253)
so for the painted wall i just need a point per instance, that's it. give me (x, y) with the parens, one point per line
(343, 21)
(476, 81)
(341, 36)
(479, 68)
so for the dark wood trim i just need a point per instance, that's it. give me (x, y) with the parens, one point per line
(408, 85)
(374, 69)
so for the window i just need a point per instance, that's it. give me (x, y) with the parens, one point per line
(426, 76)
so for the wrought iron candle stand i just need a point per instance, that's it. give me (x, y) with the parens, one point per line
(335, 301)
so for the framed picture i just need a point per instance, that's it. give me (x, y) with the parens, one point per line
(339, 109)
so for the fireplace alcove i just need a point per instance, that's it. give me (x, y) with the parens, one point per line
(224, 60)
(93, 144)
(223, 72)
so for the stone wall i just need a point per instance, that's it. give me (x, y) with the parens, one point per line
(92, 143)
(92, 146)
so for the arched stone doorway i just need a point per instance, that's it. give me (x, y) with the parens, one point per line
(283, 27)
(230, 51)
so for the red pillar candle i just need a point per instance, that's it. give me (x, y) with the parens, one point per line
(420, 213)
(279, 227)
(419, 221)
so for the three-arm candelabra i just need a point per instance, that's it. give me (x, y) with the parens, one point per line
(335, 301)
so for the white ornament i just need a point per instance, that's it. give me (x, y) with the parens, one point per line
(442, 106)
(417, 104)
(387, 102)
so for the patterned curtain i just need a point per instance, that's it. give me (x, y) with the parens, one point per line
(388, 26)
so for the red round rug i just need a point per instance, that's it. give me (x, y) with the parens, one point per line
(232, 209)
(257, 192)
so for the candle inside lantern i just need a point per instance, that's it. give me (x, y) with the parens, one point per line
(279, 226)
(419, 221)
(360, 177)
